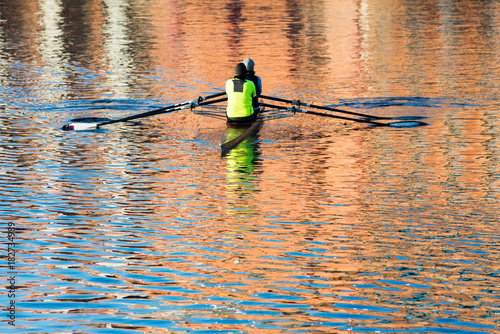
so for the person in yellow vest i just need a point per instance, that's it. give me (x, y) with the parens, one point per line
(241, 96)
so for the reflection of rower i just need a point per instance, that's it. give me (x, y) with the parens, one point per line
(237, 133)
(240, 164)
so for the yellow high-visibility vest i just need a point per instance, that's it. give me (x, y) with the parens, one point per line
(239, 97)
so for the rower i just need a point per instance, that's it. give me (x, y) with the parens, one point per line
(241, 97)
(249, 63)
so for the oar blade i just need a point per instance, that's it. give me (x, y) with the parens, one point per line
(80, 126)
(85, 124)
(407, 124)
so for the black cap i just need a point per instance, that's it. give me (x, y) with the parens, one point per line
(240, 69)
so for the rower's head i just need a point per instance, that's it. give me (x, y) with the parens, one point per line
(240, 71)
(249, 63)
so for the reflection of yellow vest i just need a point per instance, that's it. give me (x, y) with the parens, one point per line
(241, 163)
(239, 97)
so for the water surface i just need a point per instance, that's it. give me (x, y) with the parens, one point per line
(316, 225)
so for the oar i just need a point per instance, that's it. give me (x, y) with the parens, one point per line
(300, 103)
(400, 124)
(169, 109)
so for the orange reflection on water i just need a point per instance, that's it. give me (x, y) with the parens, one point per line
(320, 221)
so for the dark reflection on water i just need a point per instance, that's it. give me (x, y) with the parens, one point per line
(314, 225)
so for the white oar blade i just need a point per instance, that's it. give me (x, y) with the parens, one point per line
(80, 126)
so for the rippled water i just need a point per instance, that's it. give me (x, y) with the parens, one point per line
(315, 225)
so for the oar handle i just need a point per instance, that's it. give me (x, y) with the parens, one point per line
(277, 99)
(262, 104)
(201, 99)
(194, 105)
(293, 102)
